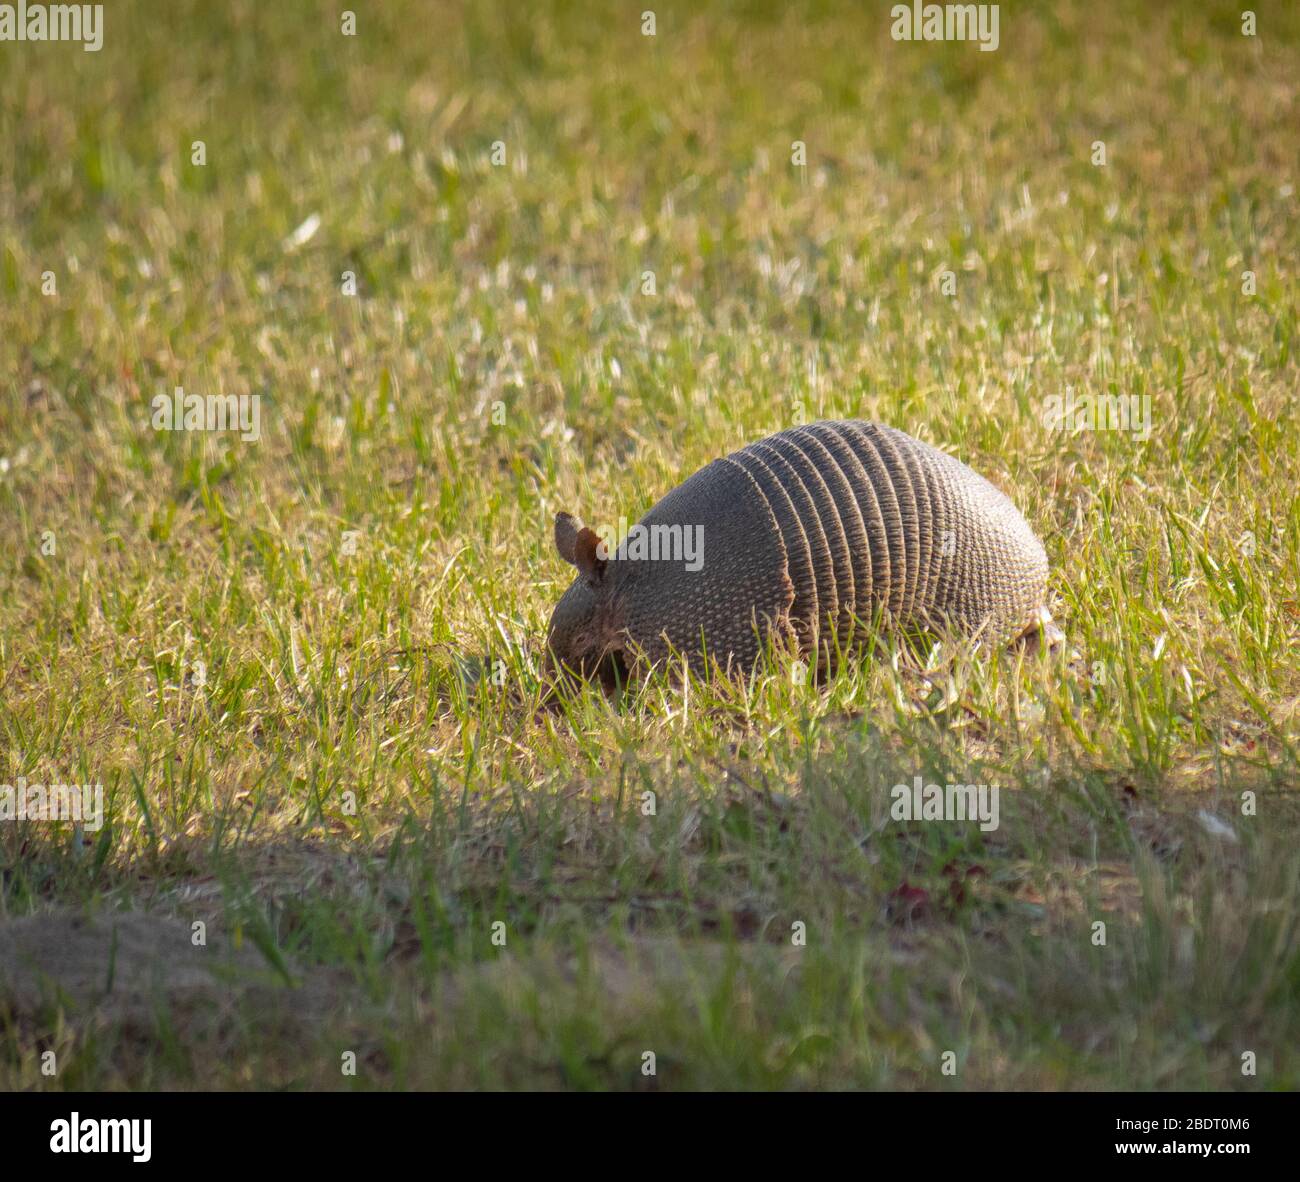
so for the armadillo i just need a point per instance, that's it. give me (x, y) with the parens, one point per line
(817, 537)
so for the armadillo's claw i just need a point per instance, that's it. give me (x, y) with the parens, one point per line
(1041, 632)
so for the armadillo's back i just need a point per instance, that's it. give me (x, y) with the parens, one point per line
(824, 530)
(979, 563)
(987, 568)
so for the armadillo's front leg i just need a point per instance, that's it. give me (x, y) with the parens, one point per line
(1039, 632)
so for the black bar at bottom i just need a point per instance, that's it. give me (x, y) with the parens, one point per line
(364, 1130)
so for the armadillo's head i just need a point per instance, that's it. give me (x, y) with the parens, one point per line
(586, 634)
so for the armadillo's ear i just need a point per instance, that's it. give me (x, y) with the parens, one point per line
(581, 546)
(567, 529)
(589, 554)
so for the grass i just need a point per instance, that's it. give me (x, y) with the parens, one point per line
(315, 752)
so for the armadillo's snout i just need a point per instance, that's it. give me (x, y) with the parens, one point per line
(571, 637)
(579, 643)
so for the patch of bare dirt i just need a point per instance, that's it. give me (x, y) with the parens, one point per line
(629, 975)
(128, 967)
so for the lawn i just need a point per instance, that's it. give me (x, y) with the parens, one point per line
(478, 263)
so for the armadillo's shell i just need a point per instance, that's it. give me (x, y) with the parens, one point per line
(741, 590)
(823, 532)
